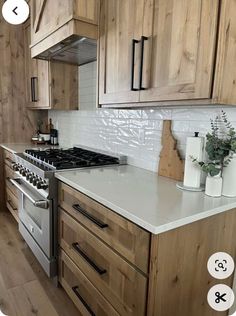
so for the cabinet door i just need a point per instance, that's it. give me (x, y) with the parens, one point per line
(120, 23)
(37, 81)
(64, 86)
(179, 50)
(47, 16)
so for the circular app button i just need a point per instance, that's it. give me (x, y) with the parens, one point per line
(15, 11)
(220, 265)
(220, 297)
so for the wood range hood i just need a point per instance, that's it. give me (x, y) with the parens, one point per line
(70, 37)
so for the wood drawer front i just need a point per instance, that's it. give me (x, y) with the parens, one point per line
(122, 285)
(81, 290)
(9, 173)
(9, 158)
(128, 239)
(12, 203)
(11, 187)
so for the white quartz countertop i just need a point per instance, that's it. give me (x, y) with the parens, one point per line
(20, 148)
(144, 198)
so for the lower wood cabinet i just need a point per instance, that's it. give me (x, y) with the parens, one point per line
(11, 193)
(121, 284)
(85, 296)
(102, 281)
(128, 239)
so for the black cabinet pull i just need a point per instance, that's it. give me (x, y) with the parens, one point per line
(134, 42)
(75, 290)
(143, 39)
(100, 271)
(93, 219)
(33, 89)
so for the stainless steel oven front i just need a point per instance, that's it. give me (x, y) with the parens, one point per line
(37, 225)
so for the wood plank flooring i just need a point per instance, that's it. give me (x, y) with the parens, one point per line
(25, 290)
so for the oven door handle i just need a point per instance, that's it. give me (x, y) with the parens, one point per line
(37, 203)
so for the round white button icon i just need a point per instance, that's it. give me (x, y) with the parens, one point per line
(220, 265)
(220, 297)
(15, 11)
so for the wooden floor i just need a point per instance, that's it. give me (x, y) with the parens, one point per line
(24, 287)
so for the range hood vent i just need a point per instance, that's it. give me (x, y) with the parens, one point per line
(75, 49)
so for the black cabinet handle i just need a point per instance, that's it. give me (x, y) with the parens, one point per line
(143, 39)
(134, 42)
(33, 89)
(77, 248)
(75, 290)
(93, 219)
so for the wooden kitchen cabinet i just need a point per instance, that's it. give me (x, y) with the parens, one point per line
(53, 21)
(11, 193)
(49, 85)
(172, 58)
(179, 49)
(105, 249)
(37, 79)
(120, 24)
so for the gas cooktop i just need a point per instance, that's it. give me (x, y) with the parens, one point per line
(75, 157)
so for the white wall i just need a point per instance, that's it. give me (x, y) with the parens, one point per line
(135, 133)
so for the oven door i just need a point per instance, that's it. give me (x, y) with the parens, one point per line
(35, 214)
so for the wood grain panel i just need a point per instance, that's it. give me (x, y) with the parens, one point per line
(179, 279)
(120, 22)
(17, 124)
(70, 276)
(64, 86)
(225, 81)
(122, 285)
(179, 52)
(131, 241)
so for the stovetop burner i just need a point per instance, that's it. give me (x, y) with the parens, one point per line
(71, 158)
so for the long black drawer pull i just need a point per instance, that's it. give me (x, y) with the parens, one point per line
(100, 271)
(134, 42)
(33, 89)
(93, 219)
(143, 39)
(75, 290)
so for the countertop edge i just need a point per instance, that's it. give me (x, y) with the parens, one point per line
(152, 229)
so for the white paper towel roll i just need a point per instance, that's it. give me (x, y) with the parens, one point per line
(192, 172)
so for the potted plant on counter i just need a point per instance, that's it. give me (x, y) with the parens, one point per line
(221, 149)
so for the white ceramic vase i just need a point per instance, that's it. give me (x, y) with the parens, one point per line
(213, 186)
(229, 179)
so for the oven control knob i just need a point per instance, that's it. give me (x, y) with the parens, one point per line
(35, 180)
(23, 172)
(39, 184)
(15, 167)
(28, 175)
(31, 176)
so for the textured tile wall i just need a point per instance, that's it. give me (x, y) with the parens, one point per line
(135, 133)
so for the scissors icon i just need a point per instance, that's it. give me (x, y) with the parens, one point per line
(219, 297)
(220, 265)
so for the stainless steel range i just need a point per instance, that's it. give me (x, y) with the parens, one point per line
(37, 188)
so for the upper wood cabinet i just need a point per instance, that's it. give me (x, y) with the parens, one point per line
(37, 79)
(225, 74)
(49, 85)
(120, 25)
(53, 21)
(156, 50)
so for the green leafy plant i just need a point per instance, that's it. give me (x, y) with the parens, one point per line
(220, 146)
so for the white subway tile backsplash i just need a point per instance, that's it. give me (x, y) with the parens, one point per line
(134, 133)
